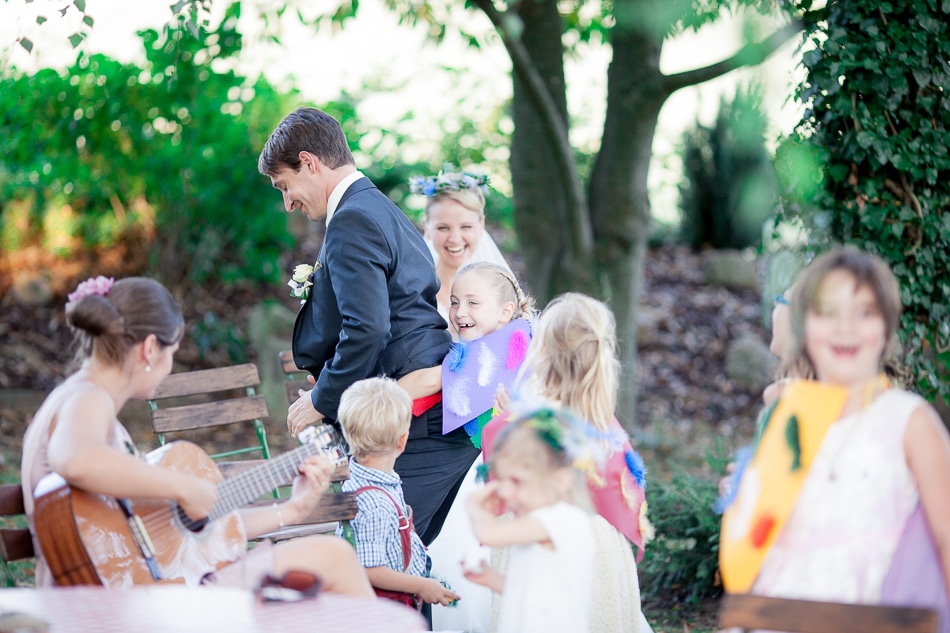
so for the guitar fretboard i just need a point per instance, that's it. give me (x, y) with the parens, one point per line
(238, 491)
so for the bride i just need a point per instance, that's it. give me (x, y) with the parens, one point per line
(454, 223)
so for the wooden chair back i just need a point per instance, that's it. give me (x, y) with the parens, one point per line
(750, 612)
(296, 378)
(173, 408)
(15, 541)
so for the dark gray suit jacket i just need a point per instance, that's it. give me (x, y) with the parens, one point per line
(372, 308)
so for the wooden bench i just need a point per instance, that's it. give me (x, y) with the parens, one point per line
(15, 541)
(749, 612)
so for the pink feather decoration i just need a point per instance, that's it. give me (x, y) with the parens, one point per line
(517, 349)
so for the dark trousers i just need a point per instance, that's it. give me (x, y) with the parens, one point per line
(432, 468)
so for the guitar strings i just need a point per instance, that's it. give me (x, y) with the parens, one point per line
(237, 491)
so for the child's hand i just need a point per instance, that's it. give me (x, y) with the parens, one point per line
(726, 483)
(487, 576)
(485, 501)
(434, 592)
(502, 399)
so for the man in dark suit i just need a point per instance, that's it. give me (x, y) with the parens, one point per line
(371, 310)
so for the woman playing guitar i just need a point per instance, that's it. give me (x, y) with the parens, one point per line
(127, 333)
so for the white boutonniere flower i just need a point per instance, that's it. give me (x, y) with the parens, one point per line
(301, 281)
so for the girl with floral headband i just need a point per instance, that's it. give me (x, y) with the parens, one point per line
(454, 223)
(537, 478)
(127, 333)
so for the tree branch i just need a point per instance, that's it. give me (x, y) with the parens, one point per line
(581, 234)
(749, 55)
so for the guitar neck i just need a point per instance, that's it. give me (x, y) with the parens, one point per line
(238, 491)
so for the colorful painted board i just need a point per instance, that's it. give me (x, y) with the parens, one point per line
(473, 370)
(769, 484)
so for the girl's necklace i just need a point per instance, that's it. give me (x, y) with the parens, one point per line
(870, 390)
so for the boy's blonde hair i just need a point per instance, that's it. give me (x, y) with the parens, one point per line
(505, 286)
(374, 413)
(573, 357)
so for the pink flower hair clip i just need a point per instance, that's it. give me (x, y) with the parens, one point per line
(93, 286)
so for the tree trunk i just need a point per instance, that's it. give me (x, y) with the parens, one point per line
(542, 217)
(619, 198)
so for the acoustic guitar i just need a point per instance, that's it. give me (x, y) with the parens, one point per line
(93, 539)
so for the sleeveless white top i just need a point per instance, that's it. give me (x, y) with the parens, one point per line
(839, 540)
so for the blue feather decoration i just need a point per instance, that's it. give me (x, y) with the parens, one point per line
(637, 468)
(456, 358)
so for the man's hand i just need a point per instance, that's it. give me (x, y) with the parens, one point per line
(302, 414)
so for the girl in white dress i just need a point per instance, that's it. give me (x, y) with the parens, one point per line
(546, 585)
(884, 455)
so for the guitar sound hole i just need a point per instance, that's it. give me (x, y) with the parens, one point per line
(188, 522)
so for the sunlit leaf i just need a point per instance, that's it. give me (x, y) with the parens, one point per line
(88, 20)
(81, 5)
(40, 19)
(76, 39)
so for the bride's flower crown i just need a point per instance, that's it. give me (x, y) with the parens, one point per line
(449, 179)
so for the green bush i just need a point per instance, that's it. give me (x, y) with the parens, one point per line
(728, 189)
(682, 562)
(869, 164)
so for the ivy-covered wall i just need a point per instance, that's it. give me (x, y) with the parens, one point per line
(869, 163)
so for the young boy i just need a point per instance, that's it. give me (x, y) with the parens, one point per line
(375, 414)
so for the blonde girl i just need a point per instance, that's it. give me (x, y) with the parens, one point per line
(550, 539)
(484, 298)
(572, 361)
(491, 313)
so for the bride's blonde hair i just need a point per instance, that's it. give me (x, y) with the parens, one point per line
(471, 199)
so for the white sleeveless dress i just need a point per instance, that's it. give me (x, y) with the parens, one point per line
(841, 536)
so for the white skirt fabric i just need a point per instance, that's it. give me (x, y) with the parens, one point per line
(473, 612)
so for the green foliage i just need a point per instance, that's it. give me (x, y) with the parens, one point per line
(213, 334)
(729, 188)
(682, 562)
(161, 156)
(869, 163)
